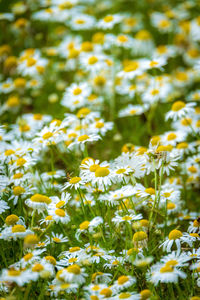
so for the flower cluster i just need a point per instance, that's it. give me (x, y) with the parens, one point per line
(100, 150)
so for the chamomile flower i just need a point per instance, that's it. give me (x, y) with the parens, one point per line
(72, 274)
(179, 110)
(165, 274)
(109, 21)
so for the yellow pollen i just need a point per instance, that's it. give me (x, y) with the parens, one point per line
(139, 236)
(60, 204)
(178, 105)
(60, 212)
(182, 145)
(192, 169)
(14, 272)
(122, 38)
(74, 180)
(102, 172)
(150, 191)
(51, 259)
(122, 279)
(99, 125)
(106, 292)
(20, 162)
(83, 138)
(127, 218)
(171, 136)
(31, 239)
(28, 256)
(171, 263)
(11, 219)
(108, 19)
(175, 234)
(77, 91)
(56, 240)
(131, 67)
(74, 269)
(171, 205)
(74, 249)
(124, 295)
(40, 199)
(166, 269)
(37, 268)
(120, 171)
(145, 294)
(18, 190)
(84, 225)
(18, 228)
(92, 60)
(9, 152)
(47, 135)
(93, 168)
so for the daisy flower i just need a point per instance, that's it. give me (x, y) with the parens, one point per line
(179, 110)
(72, 274)
(109, 21)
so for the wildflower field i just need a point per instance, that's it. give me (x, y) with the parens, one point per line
(99, 149)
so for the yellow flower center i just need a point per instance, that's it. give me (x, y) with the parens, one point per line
(28, 256)
(126, 218)
(171, 263)
(74, 180)
(108, 19)
(102, 172)
(47, 135)
(75, 269)
(14, 272)
(178, 105)
(92, 60)
(9, 152)
(37, 268)
(131, 67)
(74, 249)
(139, 236)
(122, 38)
(150, 191)
(77, 91)
(175, 234)
(171, 205)
(124, 295)
(145, 294)
(18, 190)
(93, 168)
(51, 259)
(31, 239)
(40, 199)
(11, 219)
(106, 292)
(60, 204)
(84, 225)
(60, 212)
(56, 240)
(20, 162)
(192, 169)
(83, 112)
(171, 136)
(18, 228)
(164, 24)
(182, 145)
(83, 138)
(99, 125)
(120, 171)
(166, 269)
(122, 279)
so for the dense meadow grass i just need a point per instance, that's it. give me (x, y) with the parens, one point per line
(99, 149)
